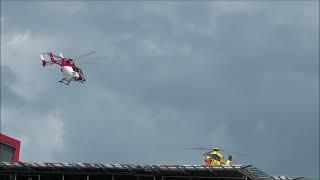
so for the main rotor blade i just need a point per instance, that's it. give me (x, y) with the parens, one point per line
(201, 148)
(212, 149)
(236, 153)
(206, 153)
(96, 58)
(86, 54)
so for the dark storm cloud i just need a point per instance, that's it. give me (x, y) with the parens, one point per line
(242, 77)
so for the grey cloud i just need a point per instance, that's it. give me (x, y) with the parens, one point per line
(8, 96)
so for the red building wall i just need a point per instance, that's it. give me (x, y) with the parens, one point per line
(14, 143)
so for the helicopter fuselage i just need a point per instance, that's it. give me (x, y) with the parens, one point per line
(215, 158)
(69, 74)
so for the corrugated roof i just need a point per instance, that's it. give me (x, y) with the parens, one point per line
(190, 171)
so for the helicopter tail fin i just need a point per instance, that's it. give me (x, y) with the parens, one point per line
(43, 61)
(61, 55)
(52, 57)
(229, 161)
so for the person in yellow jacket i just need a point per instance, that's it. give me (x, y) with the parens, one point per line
(229, 160)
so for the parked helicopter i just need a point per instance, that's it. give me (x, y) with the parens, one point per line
(70, 71)
(214, 157)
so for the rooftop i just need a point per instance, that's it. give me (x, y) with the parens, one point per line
(96, 171)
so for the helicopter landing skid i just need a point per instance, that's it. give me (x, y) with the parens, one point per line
(66, 82)
(63, 82)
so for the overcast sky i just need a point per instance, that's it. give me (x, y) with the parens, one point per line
(243, 76)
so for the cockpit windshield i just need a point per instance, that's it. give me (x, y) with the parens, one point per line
(216, 157)
(76, 69)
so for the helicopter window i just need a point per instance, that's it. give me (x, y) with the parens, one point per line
(216, 157)
(76, 69)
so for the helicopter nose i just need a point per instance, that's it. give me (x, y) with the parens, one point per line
(76, 75)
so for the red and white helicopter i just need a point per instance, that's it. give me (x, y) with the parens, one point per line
(70, 71)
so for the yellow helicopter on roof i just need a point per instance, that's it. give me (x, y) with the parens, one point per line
(214, 157)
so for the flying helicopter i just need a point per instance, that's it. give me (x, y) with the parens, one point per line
(70, 72)
(214, 157)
